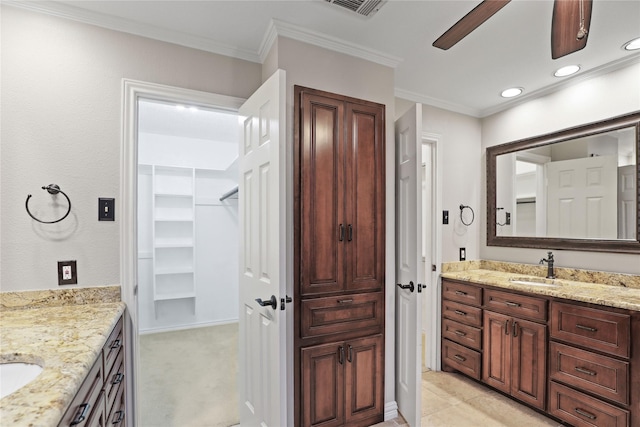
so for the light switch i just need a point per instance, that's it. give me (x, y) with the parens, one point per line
(106, 209)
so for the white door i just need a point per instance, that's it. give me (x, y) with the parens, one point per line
(626, 202)
(262, 345)
(582, 198)
(408, 264)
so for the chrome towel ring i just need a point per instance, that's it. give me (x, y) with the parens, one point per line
(473, 215)
(51, 189)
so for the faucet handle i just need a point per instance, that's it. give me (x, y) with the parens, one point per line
(550, 255)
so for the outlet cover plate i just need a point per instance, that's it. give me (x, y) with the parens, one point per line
(67, 273)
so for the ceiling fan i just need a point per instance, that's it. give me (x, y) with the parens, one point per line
(569, 27)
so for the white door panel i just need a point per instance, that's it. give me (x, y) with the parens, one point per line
(409, 264)
(261, 204)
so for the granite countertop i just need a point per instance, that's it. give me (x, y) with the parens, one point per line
(65, 340)
(607, 289)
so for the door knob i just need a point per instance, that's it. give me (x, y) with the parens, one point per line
(273, 302)
(410, 286)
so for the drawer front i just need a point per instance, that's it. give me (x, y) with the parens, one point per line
(461, 358)
(462, 313)
(86, 402)
(581, 410)
(460, 292)
(112, 346)
(114, 381)
(517, 305)
(462, 334)
(591, 328)
(117, 414)
(331, 315)
(591, 372)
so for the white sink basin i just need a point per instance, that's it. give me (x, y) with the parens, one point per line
(534, 281)
(14, 376)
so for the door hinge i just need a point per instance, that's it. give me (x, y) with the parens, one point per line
(288, 299)
(135, 290)
(433, 267)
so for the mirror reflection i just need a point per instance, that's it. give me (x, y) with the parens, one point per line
(583, 188)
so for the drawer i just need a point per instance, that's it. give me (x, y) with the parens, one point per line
(461, 358)
(116, 416)
(462, 313)
(112, 346)
(581, 410)
(601, 375)
(518, 305)
(331, 315)
(462, 334)
(592, 328)
(460, 292)
(114, 381)
(86, 403)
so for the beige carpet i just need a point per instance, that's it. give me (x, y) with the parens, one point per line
(188, 378)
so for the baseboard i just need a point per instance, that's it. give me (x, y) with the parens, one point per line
(189, 326)
(390, 410)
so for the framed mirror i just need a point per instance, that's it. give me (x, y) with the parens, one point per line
(573, 189)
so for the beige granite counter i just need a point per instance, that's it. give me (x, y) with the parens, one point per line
(65, 339)
(608, 289)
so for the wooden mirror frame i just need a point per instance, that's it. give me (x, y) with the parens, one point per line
(598, 245)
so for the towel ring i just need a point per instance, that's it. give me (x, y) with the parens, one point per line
(51, 189)
(473, 215)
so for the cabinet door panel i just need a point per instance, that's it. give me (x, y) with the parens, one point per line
(323, 231)
(364, 378)
(323, 385)
(365, 196)
(528, 362)
(496, 360)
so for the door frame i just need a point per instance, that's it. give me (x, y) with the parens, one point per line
(432, 304)
(132, 90)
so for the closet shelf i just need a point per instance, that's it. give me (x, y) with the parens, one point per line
(176, 244)
(167, 219)
(174, 270)
(177, 295)
(176, 195)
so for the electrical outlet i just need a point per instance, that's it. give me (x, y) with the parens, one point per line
(445, 217)
(507, 220)
(67, 273)
(463, 254)
(106, 209)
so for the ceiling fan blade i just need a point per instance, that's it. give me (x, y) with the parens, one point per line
(469, 22)
(566, 25)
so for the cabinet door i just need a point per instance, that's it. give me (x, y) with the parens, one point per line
(323, 385)
(528, 362)
(365, 190)
(364, 379)
(496, 360)
(323, 228)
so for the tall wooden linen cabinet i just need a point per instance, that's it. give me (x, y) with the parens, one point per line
(339, 235)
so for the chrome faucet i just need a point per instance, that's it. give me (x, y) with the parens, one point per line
(549, 261)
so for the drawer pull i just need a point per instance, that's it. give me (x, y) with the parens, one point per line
(463, 293)
(81, 414)
(345, 301)
(459, 358)
(506, 327)
(460, 333)
(512, 304)
(117, 378)
(585, 414)
(515, 329)
(118, 416)
(585, 371)
(461, 313)
(586, 328)
(115, 344)
(341, 355)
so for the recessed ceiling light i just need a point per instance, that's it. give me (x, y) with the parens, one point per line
(567, 71)
(511, 92)
(632, 45)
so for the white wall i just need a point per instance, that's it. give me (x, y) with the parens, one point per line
(606, 96)
(61, 123)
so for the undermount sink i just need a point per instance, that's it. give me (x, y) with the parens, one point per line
(534, 281)
(16, 375)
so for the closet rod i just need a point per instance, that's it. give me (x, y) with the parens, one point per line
(229, 193)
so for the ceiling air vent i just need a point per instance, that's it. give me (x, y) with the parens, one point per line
(361, 7)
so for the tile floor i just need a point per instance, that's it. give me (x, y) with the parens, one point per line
(452, 400)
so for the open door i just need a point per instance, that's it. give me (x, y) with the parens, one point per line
(409, 274)
(262, 204)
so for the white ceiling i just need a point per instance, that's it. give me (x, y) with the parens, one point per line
(512, 48)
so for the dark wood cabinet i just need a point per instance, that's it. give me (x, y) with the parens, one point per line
(339, 266)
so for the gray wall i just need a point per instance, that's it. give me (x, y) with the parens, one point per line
(61, 123)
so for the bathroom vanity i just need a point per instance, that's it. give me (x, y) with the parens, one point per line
(561, 346)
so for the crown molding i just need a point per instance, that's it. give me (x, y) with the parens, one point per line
(127, 26)
(279, 28)
(435, 102)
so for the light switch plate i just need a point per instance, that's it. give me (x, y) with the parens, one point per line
(67, 273)
(106, 209)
